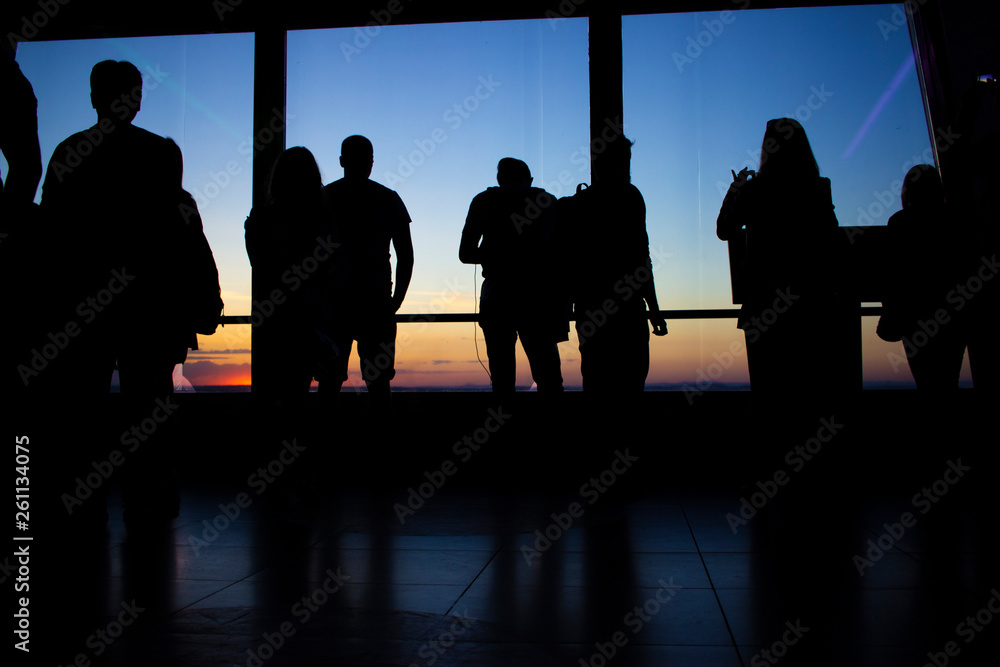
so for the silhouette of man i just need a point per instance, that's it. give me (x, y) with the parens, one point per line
(18, 255)
(110, 191)
(111, 196)
(613, 282)
(370, 217)
(520, 294)
(18, 136)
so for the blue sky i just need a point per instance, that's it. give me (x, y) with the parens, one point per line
(442, 103)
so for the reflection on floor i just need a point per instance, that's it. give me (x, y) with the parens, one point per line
(483, 577)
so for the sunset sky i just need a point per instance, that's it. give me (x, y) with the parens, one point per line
(443, 103)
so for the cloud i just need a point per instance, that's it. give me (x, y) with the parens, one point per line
(212, 353)
(203, 373)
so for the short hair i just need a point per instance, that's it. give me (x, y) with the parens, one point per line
(512, 170)
(356, 147)
(612, 163)
(111, 80)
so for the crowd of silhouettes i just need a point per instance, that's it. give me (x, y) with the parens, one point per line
(117, 222)
(790, 266)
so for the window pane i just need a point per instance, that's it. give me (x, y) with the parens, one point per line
(698, 90)
(197, 90)
(442, 104)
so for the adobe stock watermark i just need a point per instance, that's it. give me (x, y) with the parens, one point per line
(817, 98)
(611, 129)
(432, 650)
(103, 638)
(793, 633)
(759, 326)
(249, 148)
(968, 629)
(88, 310)
(796, 458)
(566, 9)
(454, 116)
(363, 36)
(957, 298)
(464, 450)
(32, 24)
(258, 481)
(302, 611)
(703, 39)
(293, 278)
(634, 620)
(91, 138)
(132, 439)
(591, 491)
(224, 7)
(884, 200)
(924, 501)
(897, 19)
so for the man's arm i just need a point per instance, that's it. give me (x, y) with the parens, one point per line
(648, 289)
(468, 249)
(403, 244)
(649, 295)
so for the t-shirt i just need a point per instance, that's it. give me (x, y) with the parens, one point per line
(368, 216)
(516, 225)
(606, 227)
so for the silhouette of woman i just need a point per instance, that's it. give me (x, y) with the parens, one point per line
(926, 265)
(287, 242)
(787, 277)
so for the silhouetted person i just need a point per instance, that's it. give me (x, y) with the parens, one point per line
(18, 216)
(111, 195)
(924, 268)
(612, 281)
(971, 169)
(18, 136)
(521, 292)
(293, 231)
(370, 218)
(789, 271)
(196, 304)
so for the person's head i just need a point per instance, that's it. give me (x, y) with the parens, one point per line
(511, 171)
(357, 156)
(612, 164)
(785, 151)
(116, 90)
(922, 188)
(295, 178)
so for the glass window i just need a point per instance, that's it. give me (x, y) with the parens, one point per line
(698, 90)
(442, 104)
(197, 90)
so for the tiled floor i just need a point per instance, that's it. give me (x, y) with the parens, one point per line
(655, 580)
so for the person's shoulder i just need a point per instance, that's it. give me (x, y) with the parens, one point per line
(143, 135)
(537, 194)
(487, 194)
(633, 191)
(903, 219)
(381, 190)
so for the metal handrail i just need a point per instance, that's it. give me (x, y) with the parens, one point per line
(685, 314)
